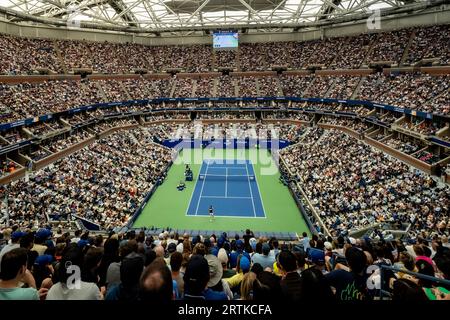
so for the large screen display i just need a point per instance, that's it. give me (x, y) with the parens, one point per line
(223, 40)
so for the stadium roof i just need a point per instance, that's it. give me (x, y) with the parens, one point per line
(155, 16)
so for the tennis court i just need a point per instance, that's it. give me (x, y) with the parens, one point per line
(230, 186)
(168, 207)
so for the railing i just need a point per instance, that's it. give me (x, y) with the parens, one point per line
(384, 268)
(364, 103)
(88, 224)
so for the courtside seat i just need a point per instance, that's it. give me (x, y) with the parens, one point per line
(283, 235)
(194, 233)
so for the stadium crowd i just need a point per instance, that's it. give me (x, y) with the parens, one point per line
(353, 185)
(112, 58)
(413, 90)
(350, 184)
(105, 182)
(135, 267)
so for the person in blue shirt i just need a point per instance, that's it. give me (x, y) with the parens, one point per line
(235, 254)
(264, 259)
(305, 241)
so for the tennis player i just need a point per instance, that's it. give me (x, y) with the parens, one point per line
(211, 213)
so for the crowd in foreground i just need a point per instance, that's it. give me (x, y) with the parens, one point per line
(39, 265)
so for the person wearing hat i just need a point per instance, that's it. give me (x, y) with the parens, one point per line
(236, 253)
(244, 267)
(196, 278)
(171, 248)
(217, 287)
(317, 257)
(222, 255)
(41, 236)
(5, 236)
(15, 243)
(252, 242)
(158, 241)
(43, 271)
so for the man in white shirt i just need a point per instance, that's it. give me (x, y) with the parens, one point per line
(77, 237)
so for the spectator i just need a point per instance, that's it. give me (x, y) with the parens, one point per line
(223, 258)
(176, 259)
(15, 243)
(43, 271)
(247, 286)
(91, 263)
(351, 285)
(313, 284)
(305, 241)
(40, 239)
(218, 288)
(130, 273)
(290, 282)
(244, 267)
(69, 287)
(196, 278)
(235, 253)
(14, 271)
(406, 290)
(264, 259)
(156, 283)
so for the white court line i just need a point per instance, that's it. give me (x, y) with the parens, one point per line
(193, 191)
(201, 190)
(217, 197)
(226, 182)
(232, 167)
(234, 217)
(251, 193)
(260, 197)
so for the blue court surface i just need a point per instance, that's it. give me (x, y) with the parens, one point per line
(230, 186)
